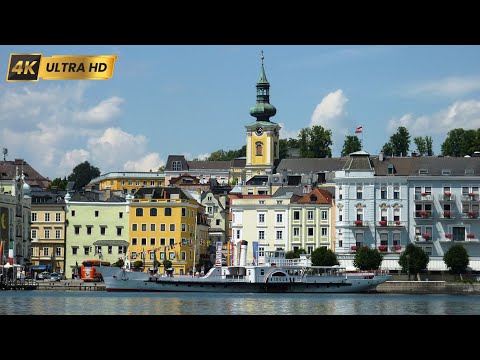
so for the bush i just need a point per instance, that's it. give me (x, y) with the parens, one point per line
(367, 259)
(138, 264)
(456, 258)
(324, 257)
(413, 259)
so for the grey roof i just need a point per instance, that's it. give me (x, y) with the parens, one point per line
(48, 197)
(110, 243)
(434, 166)
(358, 161)
(307, 165)
(8, 170)
(161, 192)
(218, 165)
(172, 158)
(296, 190)
(239, 162)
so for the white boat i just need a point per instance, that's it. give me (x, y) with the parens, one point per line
(277, 275)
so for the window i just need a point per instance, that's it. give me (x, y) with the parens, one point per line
(396, 238)
(324, 231)
(45, 251)
(391, 169)
(47, 216)
(89, 230)
(130, 182)
(137, 182)
(134, 241)
(176, 165)
(340, 214)
(58, 234)
(279, 218)
(210, 210)
(340, 243)
(120, 215)
(86, 250)
(145, 182)
(238, 234)
(34, 216)
(134, 255)
(58, 217)
(261, 235)
(144, 227)
(76, 229)
(184, 212)
(184, 227)
(162, 256)
(109, 250)
(168, 211)
(261, 218)
(324, 215)
(383, 192)
(162, 227)
(359, 214)
(98, 250)
(296, 231)
(152, 241)
(96, 213)
(217, 222)
(383, 214)
(103, 230)
(396, 214)
(74, 250)
(138, 212)
(171, 255)
(73, 213)
(162, 242)
(261, 251)
(123, 182)
(296, 215)
(396, 192)
(279, 202)
(122, 249)
(172, 241)
(152, 182)
(134, 227)
(47, 234)
(309, 215)
(153, 211)
(279, 235)
(310, 231)
(359, 192)
(119, 231)
(152, 227)
(260, 202)
(183, 255)
(309, 249)
(384, 239)
(172, 227)
(259, 149)
(34, 233)
(359, 239)
(144, 241)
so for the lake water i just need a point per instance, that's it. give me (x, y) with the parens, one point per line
(104, 303)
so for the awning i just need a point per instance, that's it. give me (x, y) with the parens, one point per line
(111, 243)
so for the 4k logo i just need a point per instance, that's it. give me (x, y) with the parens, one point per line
(24, 67)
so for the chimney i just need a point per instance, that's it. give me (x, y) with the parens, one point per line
(380, 156)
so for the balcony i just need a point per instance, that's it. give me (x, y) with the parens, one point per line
(446, 197)
(423, 214)
(419, 197)
(447, 215)
(471, 215)
(396, 223)
(359, 223)
(469, 197)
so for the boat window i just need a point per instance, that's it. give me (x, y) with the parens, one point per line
(262, 272)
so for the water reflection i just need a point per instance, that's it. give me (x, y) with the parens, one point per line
(95, 303)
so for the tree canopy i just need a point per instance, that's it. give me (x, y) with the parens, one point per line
(456, 258)
(367, 259)
(460, 142)
(315, 142)
(222, 155)
(294, 254)
(424, 145)
(413, 259)
(60, 183)
(324, 257)
(399, 144)
(82, 174)
(352, 143)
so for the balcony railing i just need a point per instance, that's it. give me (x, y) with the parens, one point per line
(359, 223)
(395, 223)
(422, 214)
(446, 198)
(447, 215)
(469, 197)
(423, 197)
(471, 215)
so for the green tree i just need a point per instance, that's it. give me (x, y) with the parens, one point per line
(82, 174)
(161, 168)
(324, 257)
(351, 144)
(421, 145)
(222, 155)
(315, 142)
(460, 142)
(294, 254)
(119, 263)
(413, 259)
(167, 264)
(456, 258)
(429, 144)
(138, 264)
(283, 149)
(60, 183)
(399, 143)
(367, 259)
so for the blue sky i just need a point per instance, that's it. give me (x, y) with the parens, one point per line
(194, 100)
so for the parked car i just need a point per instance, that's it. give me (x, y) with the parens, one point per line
(43, 275)
(55, 277)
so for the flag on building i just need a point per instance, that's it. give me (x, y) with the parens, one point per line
(359, 130)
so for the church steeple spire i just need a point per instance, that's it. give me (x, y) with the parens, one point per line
(263, 110)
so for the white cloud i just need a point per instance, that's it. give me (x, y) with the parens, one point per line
(74, 157)
(203, 156)
(450, 86)
(461, 114)
(151, 161)
(101, 113)
(286, 133)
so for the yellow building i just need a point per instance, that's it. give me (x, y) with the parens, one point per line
(163, 224)
(128, 182)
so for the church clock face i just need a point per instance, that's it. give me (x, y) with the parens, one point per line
(259, 131)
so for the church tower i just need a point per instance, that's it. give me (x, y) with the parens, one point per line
(263, 135)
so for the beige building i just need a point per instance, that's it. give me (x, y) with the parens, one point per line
(48, 230)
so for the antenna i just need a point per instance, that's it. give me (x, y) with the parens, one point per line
(5, 152)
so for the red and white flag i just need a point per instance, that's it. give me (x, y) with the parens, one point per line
(359, 130)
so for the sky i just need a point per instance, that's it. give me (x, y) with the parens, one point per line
(194, 100)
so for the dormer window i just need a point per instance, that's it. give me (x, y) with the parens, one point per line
(313, 198)
(391, 169)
